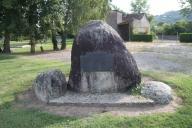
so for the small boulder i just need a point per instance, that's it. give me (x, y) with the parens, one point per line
(157, 91)
(49, 85)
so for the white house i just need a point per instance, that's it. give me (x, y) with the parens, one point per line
(127, 24)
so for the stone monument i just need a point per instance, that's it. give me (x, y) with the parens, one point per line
(101, 68)
(100, 62)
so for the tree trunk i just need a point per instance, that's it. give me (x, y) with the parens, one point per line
(6, 45)
(54, 41)
(33, 48)
(63, 41)
(1, 50)
(32, 43)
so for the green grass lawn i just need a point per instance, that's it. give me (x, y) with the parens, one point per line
(18, 72)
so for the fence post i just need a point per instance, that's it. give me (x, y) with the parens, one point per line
(177, 37)
(162, 37)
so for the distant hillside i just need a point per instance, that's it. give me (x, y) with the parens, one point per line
(170, 17)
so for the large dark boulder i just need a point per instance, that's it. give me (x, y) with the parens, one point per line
(117, 68)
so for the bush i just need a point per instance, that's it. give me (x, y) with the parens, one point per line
(186, 37)
(71, 36)
(142, 37)
(19, 38)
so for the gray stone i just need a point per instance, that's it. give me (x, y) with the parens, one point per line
(99, 37)
(97, 99)
(98, 82)
(157, 91)
(49, 85)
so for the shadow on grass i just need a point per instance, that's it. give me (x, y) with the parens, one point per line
(17, 118)
(11, 116)
(7, 56)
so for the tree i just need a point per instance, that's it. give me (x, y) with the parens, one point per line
(52, 19)
(186, 6)
(43, 17)
(57, 16)
(11, 20)
(33, 18)
(77, 12)
(114, 7)
(6, 16)
(37, 18)
(180, 26)
(139, 6)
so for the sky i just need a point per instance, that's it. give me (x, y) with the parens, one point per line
(157, 7)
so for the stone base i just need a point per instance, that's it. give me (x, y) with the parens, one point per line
(134, 106)
(101, 100)
(98, 82)
(101, 82)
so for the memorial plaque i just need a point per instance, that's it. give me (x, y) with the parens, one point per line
(96, 62)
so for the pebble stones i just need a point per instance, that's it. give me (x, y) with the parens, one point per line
(157, 91)
(49, 85)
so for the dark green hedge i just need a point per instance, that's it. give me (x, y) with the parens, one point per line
(186, 37)
(142, 37)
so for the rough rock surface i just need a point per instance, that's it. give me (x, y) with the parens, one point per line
(49, 85)
(97, 36)
(157, 91)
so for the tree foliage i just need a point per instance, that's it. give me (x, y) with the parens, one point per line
(139, 6)
(80, 11)
(11, 20)
(182, 26)
(38, 19)
(77, 12)
(186, 6)
(52, 19)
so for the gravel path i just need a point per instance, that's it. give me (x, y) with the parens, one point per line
(172, 57)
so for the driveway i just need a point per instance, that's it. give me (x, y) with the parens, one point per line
(172, 57)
